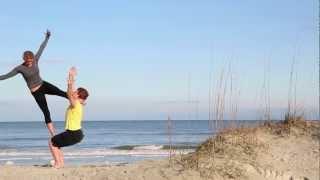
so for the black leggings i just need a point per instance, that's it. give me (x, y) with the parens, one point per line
(39, 96)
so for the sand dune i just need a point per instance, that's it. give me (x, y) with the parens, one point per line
(283, 151)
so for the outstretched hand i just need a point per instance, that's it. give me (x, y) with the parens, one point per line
(48, 34)
(72, 74)
(73, 71)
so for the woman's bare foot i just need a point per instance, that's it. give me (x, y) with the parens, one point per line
(57, 165)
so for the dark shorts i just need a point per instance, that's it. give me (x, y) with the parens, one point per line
(67, 138)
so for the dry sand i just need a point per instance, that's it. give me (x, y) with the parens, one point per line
(270, 152)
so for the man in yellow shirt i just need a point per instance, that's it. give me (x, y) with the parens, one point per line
(74, 113)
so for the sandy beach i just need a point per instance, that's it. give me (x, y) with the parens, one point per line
(160, 90)
(287, 151)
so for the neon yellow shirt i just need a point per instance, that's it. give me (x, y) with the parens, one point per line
(74, 117)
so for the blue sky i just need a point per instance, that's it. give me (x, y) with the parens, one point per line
(144, 60)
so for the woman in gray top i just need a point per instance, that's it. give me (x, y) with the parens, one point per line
(29, 69)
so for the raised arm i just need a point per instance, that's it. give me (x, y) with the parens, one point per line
(9, 74)
(42, 46)
(71, 88)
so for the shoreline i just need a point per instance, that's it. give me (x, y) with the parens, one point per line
(97, 157)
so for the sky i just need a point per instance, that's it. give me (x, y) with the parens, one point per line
(147, 60)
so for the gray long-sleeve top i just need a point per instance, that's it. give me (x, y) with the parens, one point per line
(30, 74)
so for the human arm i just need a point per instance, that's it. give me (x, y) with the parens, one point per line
(70, 89)
(42, 46)
(9, 74)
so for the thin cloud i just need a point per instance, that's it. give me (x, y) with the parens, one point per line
(179, 102)
(8, 64)
(6, 103)
(53, 61)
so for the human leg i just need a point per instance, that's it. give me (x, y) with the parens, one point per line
(55, 154)
(53, 90)
(40, 98)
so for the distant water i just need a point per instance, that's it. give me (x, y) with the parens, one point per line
(105, 142)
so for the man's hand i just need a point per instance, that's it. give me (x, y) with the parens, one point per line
(48, 34)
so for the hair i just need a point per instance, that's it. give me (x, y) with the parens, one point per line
(83, 93)
(27, 54)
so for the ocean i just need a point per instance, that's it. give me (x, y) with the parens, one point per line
(105, 142)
